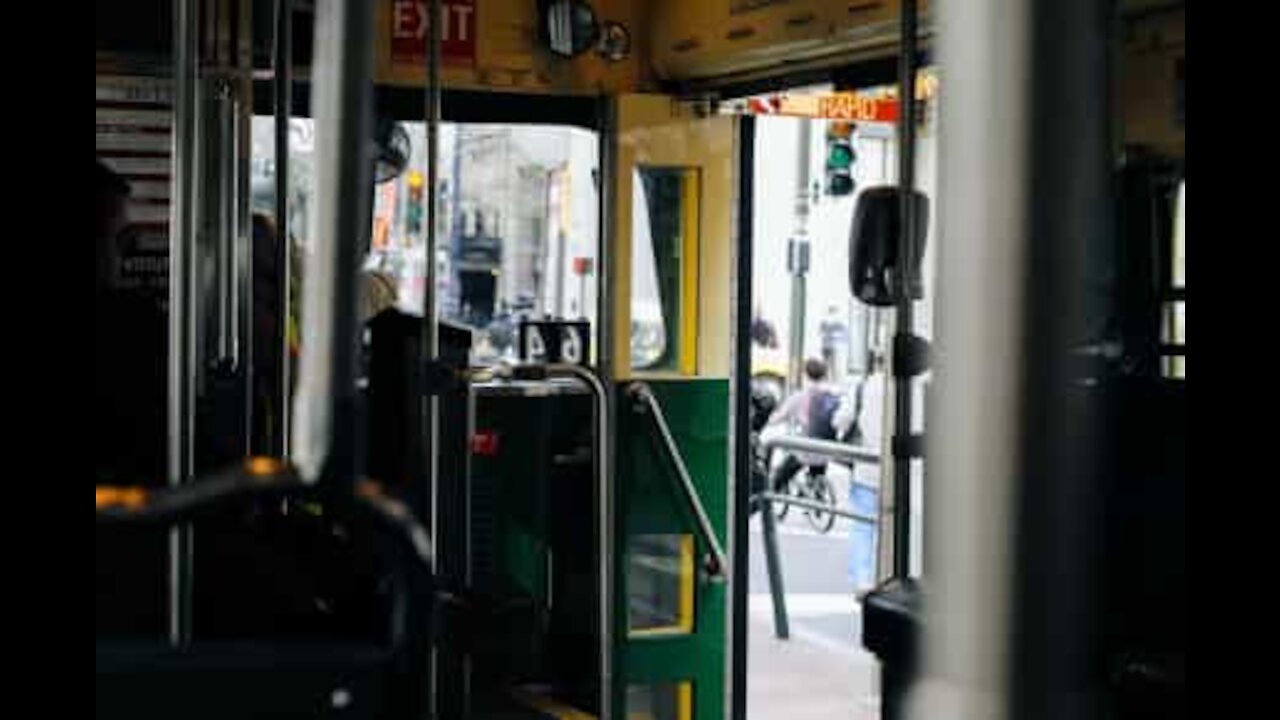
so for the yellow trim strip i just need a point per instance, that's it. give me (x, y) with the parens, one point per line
(690, 221)
(684, 701)
(686, 583)
(547, 706)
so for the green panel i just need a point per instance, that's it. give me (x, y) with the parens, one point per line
(649, 502)
(513, 490)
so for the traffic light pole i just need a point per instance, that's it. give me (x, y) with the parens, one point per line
(798, 258)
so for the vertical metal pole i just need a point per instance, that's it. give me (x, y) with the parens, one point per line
(1012, 624)
(606, 184)
(798, 257)
(223, 178)
(181, 378)
(606, 302)
(430, 409)
(242, 140)
(781, 626)
(905, 321)
(456, 224)
(430, 307)
(343, 100)
(283, 62)
(429, 303)
(984, 49)
(740, 506)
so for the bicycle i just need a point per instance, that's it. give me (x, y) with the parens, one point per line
(809, 486)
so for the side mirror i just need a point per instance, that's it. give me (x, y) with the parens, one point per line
(875, 245)
(567, 27)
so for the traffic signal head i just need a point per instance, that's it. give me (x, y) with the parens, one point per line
(840, 158)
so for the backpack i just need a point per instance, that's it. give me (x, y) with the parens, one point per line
(822, 409)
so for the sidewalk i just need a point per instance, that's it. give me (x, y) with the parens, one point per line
(798, 680)
(822, 671)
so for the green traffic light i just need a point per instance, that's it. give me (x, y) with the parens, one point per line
(840, 156)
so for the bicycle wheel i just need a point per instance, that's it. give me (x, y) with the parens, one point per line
(820, 491)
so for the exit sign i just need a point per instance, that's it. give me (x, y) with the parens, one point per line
(410, 22)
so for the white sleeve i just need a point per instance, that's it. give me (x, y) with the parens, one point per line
(843, 417)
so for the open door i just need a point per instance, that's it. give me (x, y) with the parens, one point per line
(671, 306)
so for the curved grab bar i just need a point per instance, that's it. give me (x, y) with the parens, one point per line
(604, 498)
(716, 564)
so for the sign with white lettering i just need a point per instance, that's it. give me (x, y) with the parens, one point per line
(409, 24)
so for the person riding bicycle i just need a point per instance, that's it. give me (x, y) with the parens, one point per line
(812, 408)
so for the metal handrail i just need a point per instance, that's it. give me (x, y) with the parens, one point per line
(814, 505)
(604, 498)
(827, 448)
(717, 563)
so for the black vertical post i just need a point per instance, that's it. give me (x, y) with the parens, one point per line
(742, 450)
(283, 61)
(903, 389)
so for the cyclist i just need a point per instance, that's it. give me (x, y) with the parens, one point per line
(812, 409)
